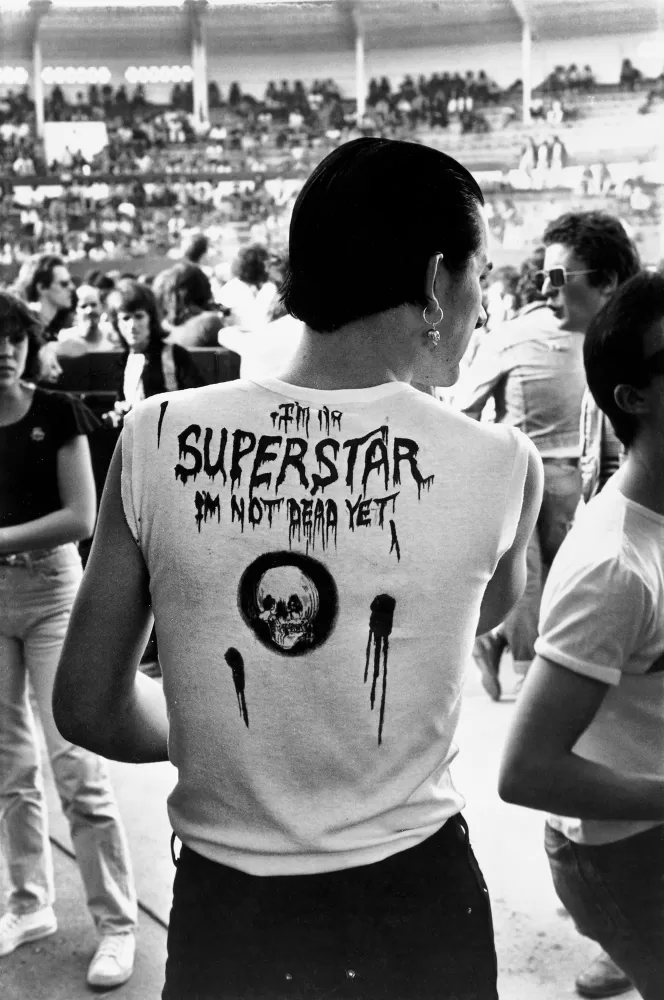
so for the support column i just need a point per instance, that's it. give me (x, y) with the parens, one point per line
(38, 85)
(196, 10)
(38, 9)
(526, 70)
(360, 75)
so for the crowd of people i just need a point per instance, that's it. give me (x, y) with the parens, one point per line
(291, 127)
(133, 219)
(381, 428)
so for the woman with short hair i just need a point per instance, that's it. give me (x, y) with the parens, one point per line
(47, 504)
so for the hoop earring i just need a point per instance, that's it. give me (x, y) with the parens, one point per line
(433, 323)
(432, 333)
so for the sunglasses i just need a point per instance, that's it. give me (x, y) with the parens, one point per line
(558, 276)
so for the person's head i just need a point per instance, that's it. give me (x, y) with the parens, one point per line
(181, 291)
(251, 264)
(89, 308)
(587, 255)
(529, 288)
(45, 278)
(501, 294)
(623, 353)
(98, 279)
(382, 225)
(21, 336)
(134, 315)
(196, 248)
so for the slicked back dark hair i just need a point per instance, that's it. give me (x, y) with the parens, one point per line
(600, 241)
(366, 223)
(16, 315)
(613, 351)
(35, 272)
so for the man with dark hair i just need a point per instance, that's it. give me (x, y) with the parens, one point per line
(586, 742)
(45, 282)
(533, 370)
(320, 550)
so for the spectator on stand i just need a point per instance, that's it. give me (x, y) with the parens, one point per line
(586, 742)
(629, 76)
(588, 81)
(291, 790)
(47, 503)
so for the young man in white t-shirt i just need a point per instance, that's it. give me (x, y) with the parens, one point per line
(319, 550)
(587, 743)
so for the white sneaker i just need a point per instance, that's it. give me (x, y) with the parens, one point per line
(18, 928)
(113, 961)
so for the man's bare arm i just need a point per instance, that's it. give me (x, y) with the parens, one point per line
(100, 701)
(540, 769)
(509, 580)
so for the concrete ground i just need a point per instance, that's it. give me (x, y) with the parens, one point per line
(539, 951)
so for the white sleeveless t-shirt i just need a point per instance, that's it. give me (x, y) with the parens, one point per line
(317, 562)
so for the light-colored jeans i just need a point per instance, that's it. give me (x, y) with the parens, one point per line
(562, 493)
(35, 604)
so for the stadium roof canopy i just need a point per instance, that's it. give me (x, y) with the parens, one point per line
(150, 30)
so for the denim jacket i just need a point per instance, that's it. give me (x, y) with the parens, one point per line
(534, 372)
(601, 451)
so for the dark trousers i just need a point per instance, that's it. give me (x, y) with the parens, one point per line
(416, 926)
(615, 893)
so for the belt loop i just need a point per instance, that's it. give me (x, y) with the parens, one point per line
(175, 860)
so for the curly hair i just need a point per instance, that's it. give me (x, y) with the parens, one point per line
(251, 264)
(15, 315)
(600, 241)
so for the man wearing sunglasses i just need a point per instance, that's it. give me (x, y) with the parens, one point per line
(588, 255)
(46, 284)
(532, 368)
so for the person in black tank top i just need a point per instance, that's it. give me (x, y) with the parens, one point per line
(47, 504)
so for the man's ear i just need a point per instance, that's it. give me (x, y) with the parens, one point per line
(430, 278)
(631, 399)
(608, 287)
